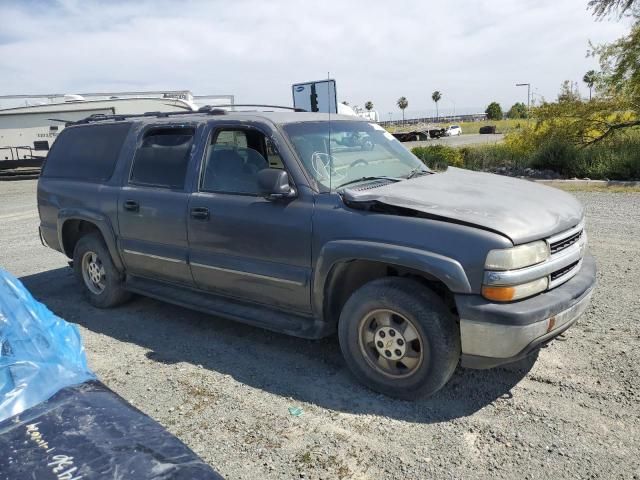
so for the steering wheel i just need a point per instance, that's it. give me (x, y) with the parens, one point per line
(322, 165)
(360, 161)
(367, 144)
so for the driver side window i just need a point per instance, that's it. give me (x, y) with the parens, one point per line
(233, 160)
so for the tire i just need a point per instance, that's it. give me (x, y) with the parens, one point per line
(109, 291)
(415, 311)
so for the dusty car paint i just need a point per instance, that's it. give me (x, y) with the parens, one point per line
(520, 210)
(281, 264)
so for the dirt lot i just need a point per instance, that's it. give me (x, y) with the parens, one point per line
(224, 388)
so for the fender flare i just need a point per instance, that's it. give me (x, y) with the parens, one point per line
(334, 253)
(103, 224)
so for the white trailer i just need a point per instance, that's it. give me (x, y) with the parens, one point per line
(27, 132)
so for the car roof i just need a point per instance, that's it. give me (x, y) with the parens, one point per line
(278, 118)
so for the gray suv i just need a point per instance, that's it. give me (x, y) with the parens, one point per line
(310, 225)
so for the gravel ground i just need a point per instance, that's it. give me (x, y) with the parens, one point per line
(225, 388)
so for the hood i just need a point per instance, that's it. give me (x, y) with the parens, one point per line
(521, 210)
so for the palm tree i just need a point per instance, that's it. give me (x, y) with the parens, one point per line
(436, 96)
(590, 78)
(369, 105)
(402, 104)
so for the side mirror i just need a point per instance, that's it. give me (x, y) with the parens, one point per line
(274, 184)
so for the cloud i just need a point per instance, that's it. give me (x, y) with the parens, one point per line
(474, 52)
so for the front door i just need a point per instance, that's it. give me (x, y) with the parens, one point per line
(241, 244)
(152, 206)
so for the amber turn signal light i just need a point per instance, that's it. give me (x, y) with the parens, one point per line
(498, 294)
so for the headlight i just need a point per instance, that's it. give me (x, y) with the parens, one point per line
(515, 292)
(517, 257)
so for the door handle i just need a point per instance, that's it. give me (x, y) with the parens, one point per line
(200, 213)
(131, 206)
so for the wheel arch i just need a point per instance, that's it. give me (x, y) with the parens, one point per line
(346, 265)
(74, 223)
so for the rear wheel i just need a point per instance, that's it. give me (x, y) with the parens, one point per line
(95, 270)
(399, 338)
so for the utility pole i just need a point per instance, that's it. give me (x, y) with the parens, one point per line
(528, 85)
(454, 107)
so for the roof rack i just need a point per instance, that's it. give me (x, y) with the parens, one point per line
(98, 117)
(206, 109)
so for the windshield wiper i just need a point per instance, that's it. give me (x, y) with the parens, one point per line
(364, 179)
(414, 173)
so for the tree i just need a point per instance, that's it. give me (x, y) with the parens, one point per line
(567, 92)
(494, 111)
(436, 97)
(620, 65)
(602, 8)
(619, 82)
(402, 104)
(517, 110)
(616, 108)
(369, 105)
(590, 79)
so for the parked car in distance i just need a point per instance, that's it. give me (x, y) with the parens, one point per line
(437, 132)
(452, 131)
(280, 220)
(487, 129)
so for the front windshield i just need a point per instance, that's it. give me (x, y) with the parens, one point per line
(352, 151)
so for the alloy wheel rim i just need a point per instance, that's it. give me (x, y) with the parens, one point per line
(390, 343)
(93, 272)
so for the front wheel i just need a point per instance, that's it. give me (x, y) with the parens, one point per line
(399, 338)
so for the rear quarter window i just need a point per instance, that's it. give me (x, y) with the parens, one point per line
(87, 152)
(162, 158)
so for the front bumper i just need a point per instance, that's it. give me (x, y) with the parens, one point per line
(494, 334)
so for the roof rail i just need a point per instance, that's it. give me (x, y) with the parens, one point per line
(98, 117)
(206, 109)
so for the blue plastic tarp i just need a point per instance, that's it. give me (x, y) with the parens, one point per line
(40, 353)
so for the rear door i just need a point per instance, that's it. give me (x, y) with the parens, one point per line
(241, 244)
(152, 205)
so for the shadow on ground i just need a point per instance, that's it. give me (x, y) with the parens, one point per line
(309, 371)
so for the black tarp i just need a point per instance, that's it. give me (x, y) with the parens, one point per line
(89, 432)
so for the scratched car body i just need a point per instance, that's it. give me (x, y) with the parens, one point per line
(310, 225)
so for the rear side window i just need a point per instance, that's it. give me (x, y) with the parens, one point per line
(162, 159)
(87, 152)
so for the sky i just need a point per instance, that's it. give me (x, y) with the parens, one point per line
(472, 51)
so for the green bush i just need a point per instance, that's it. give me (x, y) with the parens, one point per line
(484, 157)
(615, 159)
(439, 157)
(558, 155)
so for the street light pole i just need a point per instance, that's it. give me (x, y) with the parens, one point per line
(528, 85)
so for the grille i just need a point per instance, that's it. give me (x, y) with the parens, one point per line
(560, 245)
(563, 271)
